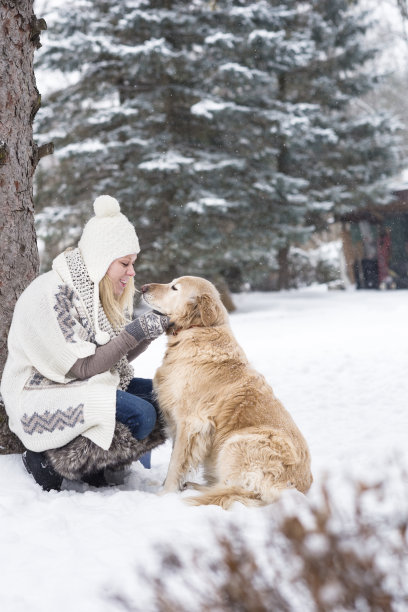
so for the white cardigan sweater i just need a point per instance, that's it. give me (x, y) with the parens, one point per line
(52, 327)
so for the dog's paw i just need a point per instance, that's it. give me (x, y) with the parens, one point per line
(189, 485)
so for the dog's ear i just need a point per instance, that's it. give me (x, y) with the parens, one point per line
(210, 310)
(189, 316)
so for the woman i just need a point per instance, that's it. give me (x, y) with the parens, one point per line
(70, 343)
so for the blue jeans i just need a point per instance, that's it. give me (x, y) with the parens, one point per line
(137, 409)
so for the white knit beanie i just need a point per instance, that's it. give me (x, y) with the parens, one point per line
(106, 237)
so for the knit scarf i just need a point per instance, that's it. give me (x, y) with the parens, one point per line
(85, 289)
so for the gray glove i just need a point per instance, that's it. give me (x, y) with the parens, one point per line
(148, 326)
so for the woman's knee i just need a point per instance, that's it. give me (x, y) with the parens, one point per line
(138, 414)
(142, 422)
(142, 387)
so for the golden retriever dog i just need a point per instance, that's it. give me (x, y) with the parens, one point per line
(220, 412)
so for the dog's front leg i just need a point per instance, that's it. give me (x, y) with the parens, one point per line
(179, 463)
(191, 446)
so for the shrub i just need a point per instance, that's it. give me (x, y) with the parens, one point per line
(316, 557)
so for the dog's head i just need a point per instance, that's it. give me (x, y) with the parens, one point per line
(188, 301)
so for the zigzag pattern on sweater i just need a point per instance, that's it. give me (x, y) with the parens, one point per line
(50, 421)
(64, 303)
(37, 381)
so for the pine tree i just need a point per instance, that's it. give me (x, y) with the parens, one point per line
(222, 128)
(362, 150)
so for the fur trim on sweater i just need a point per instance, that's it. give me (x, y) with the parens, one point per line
(82, 457)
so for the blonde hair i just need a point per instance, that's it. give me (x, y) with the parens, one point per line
(118, 310)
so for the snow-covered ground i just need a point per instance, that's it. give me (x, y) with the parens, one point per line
(337, 360)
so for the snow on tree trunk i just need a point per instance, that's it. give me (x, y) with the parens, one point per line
(19, 155)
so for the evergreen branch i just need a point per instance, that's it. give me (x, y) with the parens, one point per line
(403, 8)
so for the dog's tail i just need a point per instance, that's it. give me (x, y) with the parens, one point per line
(225, 496)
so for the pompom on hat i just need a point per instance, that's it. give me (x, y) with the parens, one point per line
(106, 237)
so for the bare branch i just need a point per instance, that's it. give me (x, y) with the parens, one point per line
(36, 27)
(45, 149)
(4, 152)
(42, 151)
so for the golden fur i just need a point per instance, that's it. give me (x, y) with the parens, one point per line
(221, 413)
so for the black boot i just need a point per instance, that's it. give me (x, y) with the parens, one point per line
(95, 479)
(42, 471)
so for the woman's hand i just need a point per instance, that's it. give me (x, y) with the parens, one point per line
(148, 326)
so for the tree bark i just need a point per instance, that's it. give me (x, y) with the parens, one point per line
(19, 101)
(283, 277)
(283, 167)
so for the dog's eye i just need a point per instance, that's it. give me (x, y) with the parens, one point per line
(174, 287)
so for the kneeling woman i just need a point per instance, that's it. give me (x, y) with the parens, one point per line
(70, 342)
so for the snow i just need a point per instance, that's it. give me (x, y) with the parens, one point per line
(389, 34)
(203, 203)
(338, 362)
(90, 145)
(209, 166)
(207, 107)
(400, 182)
(171, 160)
(225, 37)
(243, 70)
(49, 81)
(266, 34)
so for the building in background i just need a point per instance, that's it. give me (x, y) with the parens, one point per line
(375, 244)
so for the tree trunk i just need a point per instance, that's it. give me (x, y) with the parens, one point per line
(283, 278)
(19, 102)
(283, 167)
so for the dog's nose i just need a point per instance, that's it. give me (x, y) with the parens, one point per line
(144, 289)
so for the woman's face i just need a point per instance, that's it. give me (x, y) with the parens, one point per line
(120, 271)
